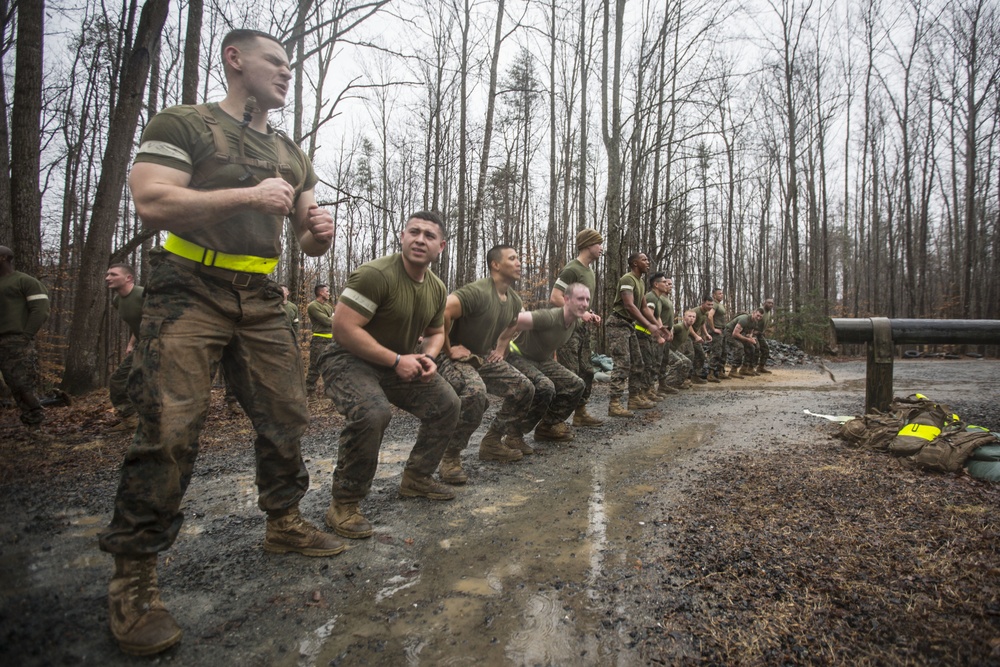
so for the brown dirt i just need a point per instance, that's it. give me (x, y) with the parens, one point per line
(723, 528)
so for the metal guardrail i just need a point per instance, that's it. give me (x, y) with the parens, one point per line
(882, 334)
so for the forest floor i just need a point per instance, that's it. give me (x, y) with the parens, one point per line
(725, 527)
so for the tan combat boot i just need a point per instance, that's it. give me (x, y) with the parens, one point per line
(292, 533)
(517, 442)
(553, 432)
(652, 395)
(450, 469)
(748, 371)
(415, 485)
(128, 424)
(712, 377)
(638, 402)
(492, 449)
(616, 409)
(735, 373)
(697, 379)
(583, 418)
(665, 389)
(347, 521)
(762, 370)
(139, 621)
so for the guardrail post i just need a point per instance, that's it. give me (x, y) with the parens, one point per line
(878, 381)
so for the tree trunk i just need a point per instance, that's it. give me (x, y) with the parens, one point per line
(82, 372)
(25, 123)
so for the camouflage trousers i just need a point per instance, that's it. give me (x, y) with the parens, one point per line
(698, 358)
(317, 345)
(188, 321)
(742, 353)
(717, 353)
(623, 348)
(675, 367)
(575, 355)
(471, 384)
(557, 392)
(118, 387)
(19, 367)
(364, 393)
(650, 363)
(764, 352)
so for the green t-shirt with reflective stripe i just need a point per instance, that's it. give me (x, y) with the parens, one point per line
(179, 138)
(655, 304)
(576, 272)
(634, 285)
(130, 308)
(484, 315)
(400, 309)
(24, 304)
(547, 334)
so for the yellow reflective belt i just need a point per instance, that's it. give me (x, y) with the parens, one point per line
(322, 335)
(643, 329)
(241, 263)
(922, 431)
(514, 348)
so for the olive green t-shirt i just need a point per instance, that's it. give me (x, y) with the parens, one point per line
(400, 308)
(699, 319)
(681, 336)
(178, 137)
(292, 313)
(547, 334)
(576, 272)
(721, 318)
(130, 308)
(320, 316)
(634, 285)
(746, 324)
(655, 304)
(484, 316)
(765, 322)
(667, 310)
(24, 304)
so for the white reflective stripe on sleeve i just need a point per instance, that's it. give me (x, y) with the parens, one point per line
(560, 285)
(36, 297)
(626, 288)
(360, 299)
(164, 149)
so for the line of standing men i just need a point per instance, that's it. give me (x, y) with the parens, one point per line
(220, 182)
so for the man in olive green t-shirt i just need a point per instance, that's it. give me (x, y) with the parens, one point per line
(740, 338)
(681, 349)
(320, 312)
(120, 279)
(718, 318)
(481, 318)
(24, 307)
(557, 390)
(699, 336)
(209, 300)
(765, 327)
(387, 305)
(630, 310)
(575, 354)
(291, 311)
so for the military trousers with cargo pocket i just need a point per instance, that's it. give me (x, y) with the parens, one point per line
(188, 320)
(472, 384)
(575, 355)
(19, 367)
(364, 393)
(557, 392)
(118, 387)
(623, 348)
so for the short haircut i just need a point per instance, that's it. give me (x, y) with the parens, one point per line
(318, 288)
(241, 37)
(707, 298)
(633, 258)
(717, 289)
(659, 275)
(690, 311)
(430, 216)
(126, 269)
(759, 310)
(495, 254)
(573, 288)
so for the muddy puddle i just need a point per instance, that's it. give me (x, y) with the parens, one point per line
(512, 572)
